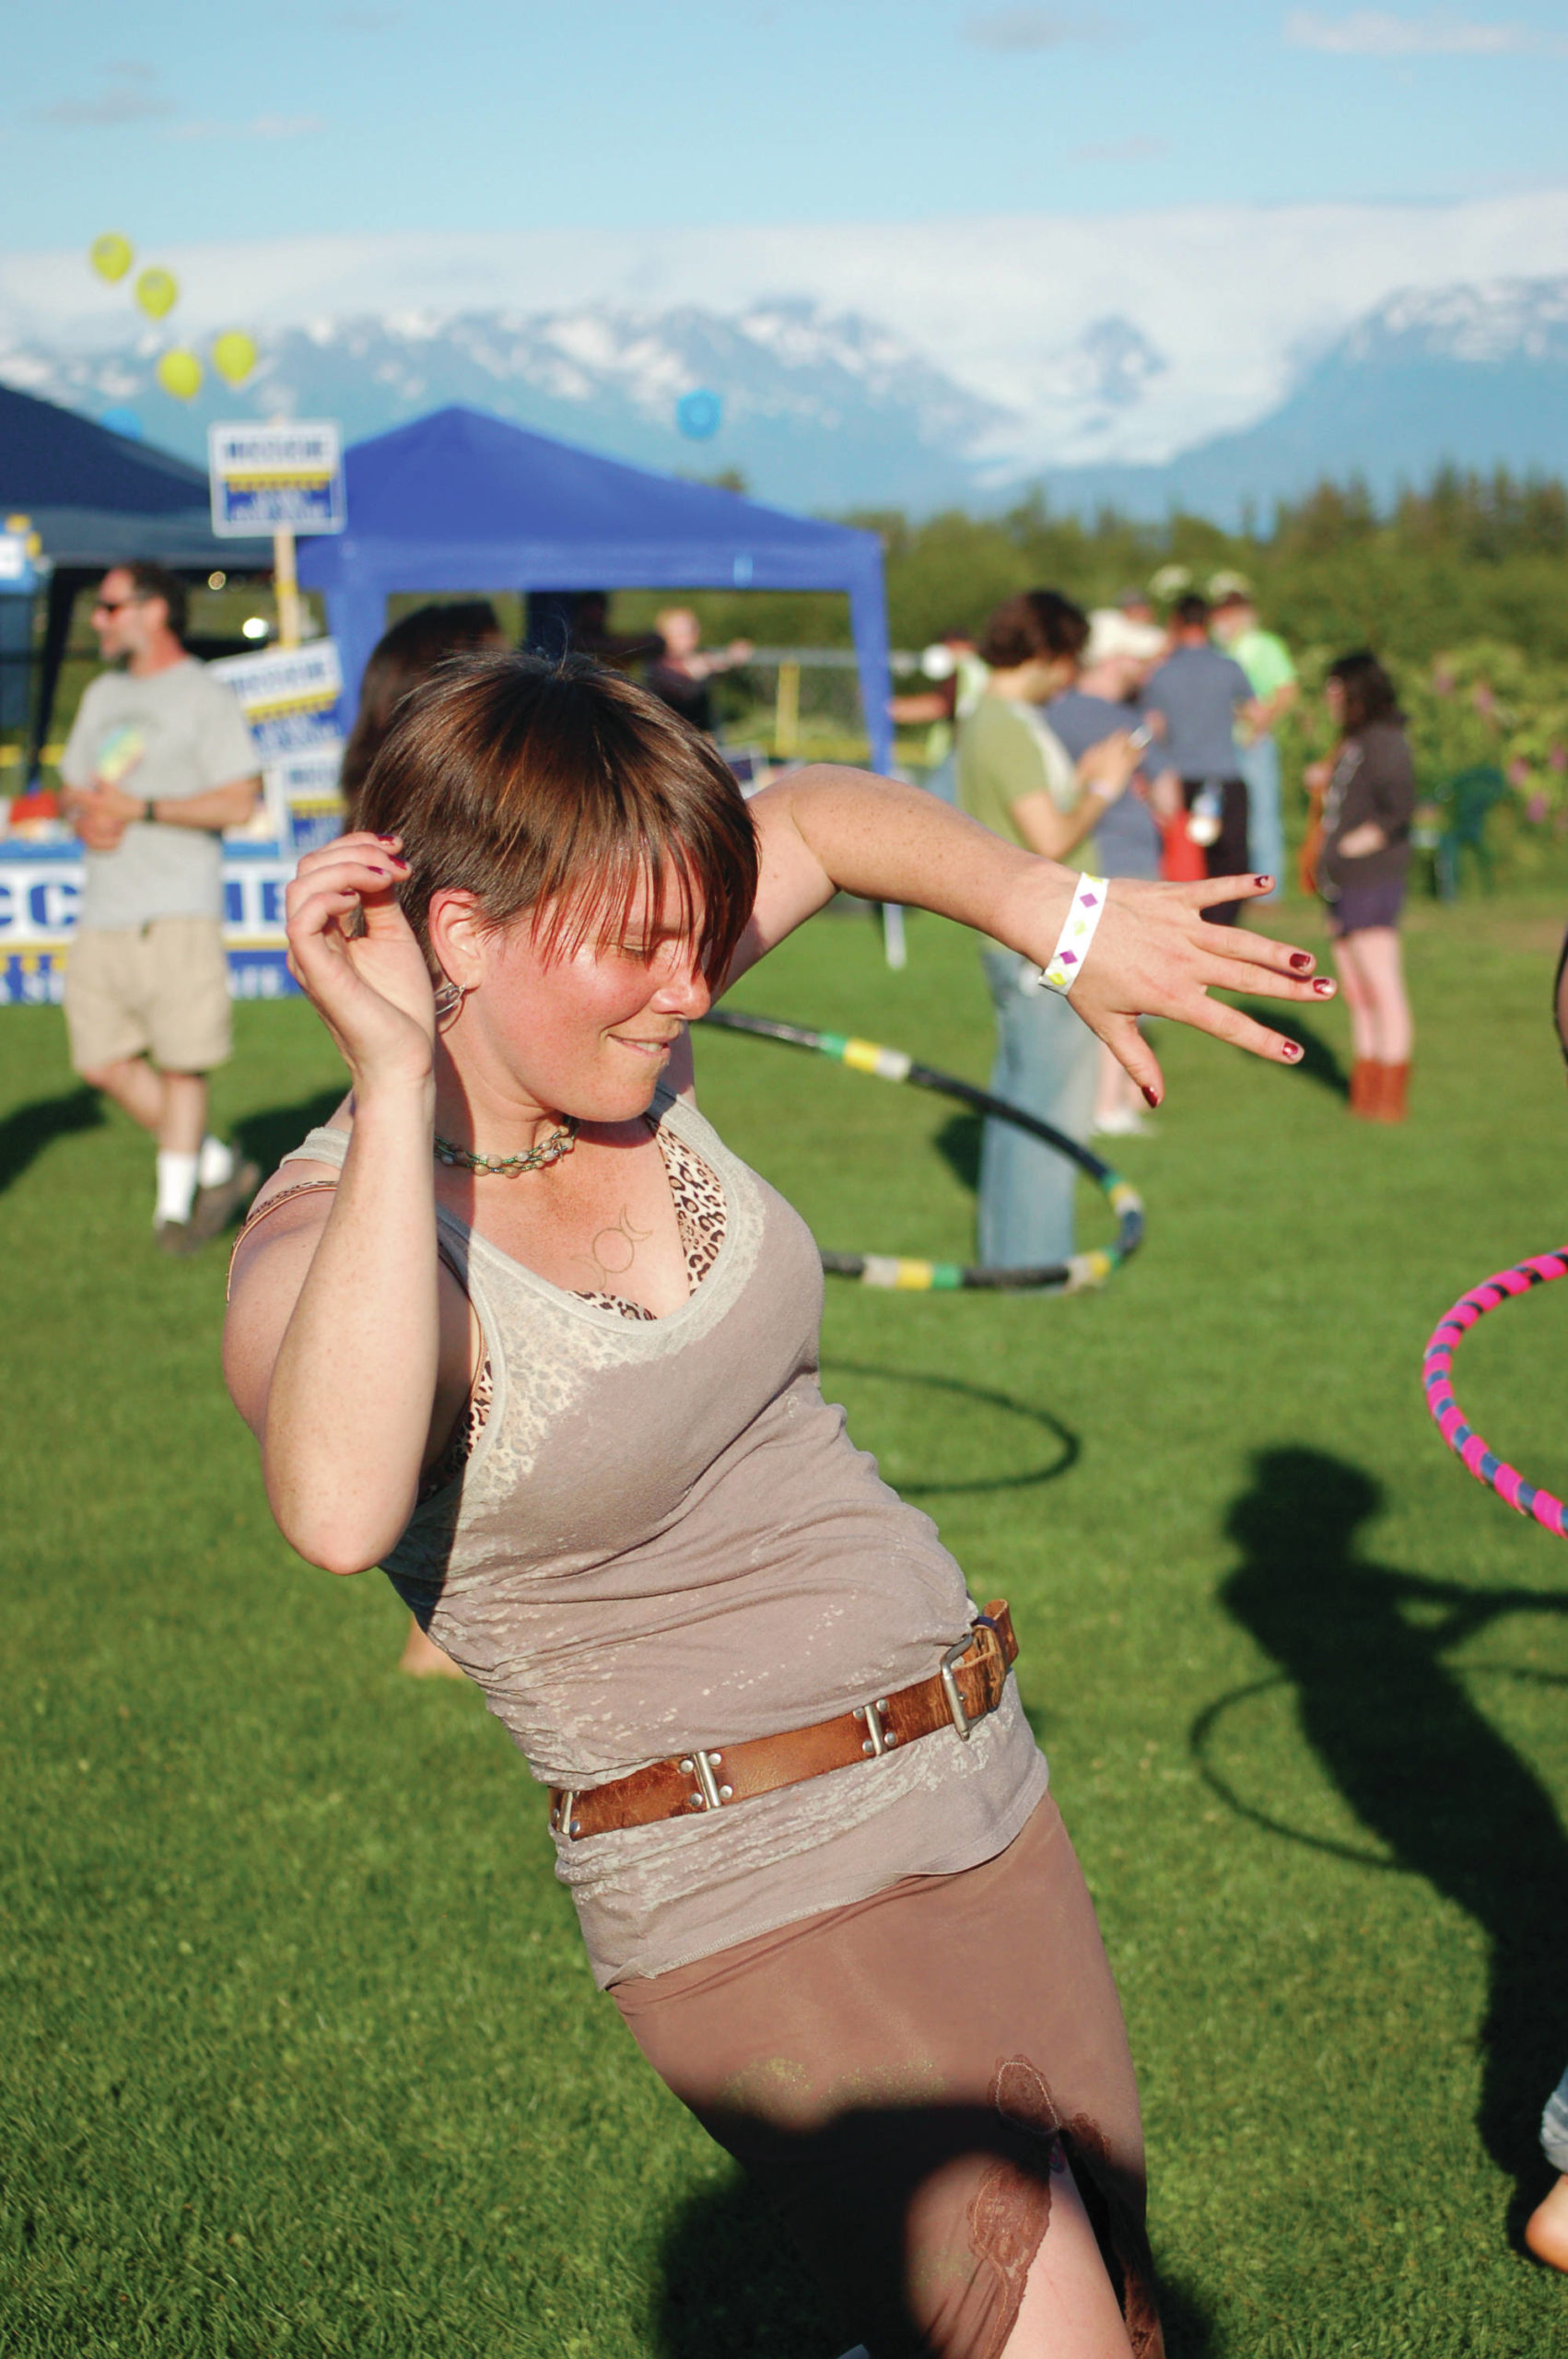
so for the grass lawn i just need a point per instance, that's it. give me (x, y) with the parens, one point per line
(299, 2055)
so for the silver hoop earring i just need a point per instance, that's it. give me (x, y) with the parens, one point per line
(449, 997)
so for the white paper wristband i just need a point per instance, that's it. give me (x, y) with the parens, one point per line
(1066, 963)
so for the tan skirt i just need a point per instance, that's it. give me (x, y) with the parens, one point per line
(899, 2074)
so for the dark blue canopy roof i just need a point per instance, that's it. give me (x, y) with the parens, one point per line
(462, 501)
(95, 498)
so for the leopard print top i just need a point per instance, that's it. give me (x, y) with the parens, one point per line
(700, 1218)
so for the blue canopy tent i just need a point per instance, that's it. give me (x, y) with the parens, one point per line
(462, 501)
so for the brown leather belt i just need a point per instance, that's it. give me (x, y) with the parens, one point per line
(969, 1685)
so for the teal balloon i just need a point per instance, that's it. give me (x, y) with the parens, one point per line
(699, 414)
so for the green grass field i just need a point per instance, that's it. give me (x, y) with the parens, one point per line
(298, 2053)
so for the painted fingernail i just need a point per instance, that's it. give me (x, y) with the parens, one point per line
(1292, 1051)
(1323, 986)
(1263, 882)
(1301, 960)
(1150, 1097)
(387, 839)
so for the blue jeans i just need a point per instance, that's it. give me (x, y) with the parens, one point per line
(1554, 2127)
(1265, 826)
(1048, 1062)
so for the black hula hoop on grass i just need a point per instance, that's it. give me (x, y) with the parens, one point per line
(888, 1270)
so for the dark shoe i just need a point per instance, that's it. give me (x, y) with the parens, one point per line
(215, 1207)
(176, 1236)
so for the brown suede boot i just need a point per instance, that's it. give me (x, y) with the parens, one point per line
(1392, 1081)
(1365, 1088)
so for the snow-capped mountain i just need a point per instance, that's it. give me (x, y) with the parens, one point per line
(820, 409)
(832, 409)
(1472, 373)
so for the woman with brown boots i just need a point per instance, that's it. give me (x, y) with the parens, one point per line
(1369, 799)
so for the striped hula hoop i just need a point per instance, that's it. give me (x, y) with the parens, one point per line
(921, 1277)
(1481, 1460)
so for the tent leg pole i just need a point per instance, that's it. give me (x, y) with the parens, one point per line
(286, 586)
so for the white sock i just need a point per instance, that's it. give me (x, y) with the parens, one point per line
(176, 1186)
(215, 1166)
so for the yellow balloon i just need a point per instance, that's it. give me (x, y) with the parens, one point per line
(233, 356)
(156, 291)
(180, 373)
(110, 255)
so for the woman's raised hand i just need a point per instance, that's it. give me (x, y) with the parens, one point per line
(1155, 953)
(353, 950)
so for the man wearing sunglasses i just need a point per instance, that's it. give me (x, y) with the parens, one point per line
(159, 761)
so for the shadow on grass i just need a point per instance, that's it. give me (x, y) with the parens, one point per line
(812, 2256)
(1318, 1060)
(958, 1143)
(1422, 1767)
(268, 1137)
(1069, 1445)
(28, 1129)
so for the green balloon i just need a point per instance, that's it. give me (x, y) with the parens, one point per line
(158, 291)
(233, 356)
(180, 373)
(110, 255)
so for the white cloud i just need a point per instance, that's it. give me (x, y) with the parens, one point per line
(126, 98)
(1016, 30)
(1375, 32)
(1231, 296)
(1119, 151)
(260, 126)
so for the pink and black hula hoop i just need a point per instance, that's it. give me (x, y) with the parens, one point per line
(1525, 1499)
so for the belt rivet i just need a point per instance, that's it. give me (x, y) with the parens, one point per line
(882, 1703)
(687, 1768)
(866, 1744)
(576, 1828)
(697, 1803)
(726, 1793)
(860, 1711)
(716, 1756)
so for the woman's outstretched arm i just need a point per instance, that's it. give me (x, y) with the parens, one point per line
(338, 1346)
(824, 828)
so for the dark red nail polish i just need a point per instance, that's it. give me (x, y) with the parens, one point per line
(1150, 1097)
(1323, 986)
(1263, 882)
(1301, 960)
(1292, 1050)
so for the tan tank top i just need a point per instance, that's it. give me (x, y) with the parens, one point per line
(662, 1537)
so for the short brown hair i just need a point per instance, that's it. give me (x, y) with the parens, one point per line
(561, 788)
(149, 579)
(1033, 624)
(401, 659)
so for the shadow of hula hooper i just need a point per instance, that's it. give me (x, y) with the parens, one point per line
(909, 1276)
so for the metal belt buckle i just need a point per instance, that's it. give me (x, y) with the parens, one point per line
(711, 1795)
(561, 1819)
(950, 1686)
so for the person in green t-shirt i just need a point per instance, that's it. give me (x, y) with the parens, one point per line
(1017, 779)
(1266, 660)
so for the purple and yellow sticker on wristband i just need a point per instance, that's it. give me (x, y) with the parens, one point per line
(1475, 1454)
(1066, 962)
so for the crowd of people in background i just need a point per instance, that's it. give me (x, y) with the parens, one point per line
(1137, 748)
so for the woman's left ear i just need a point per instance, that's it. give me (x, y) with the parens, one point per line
(457, 937)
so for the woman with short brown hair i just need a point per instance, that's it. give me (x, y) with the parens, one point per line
(519, 1328)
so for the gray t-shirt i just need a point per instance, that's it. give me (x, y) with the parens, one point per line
(1126, 840)
(1197, 689)
(170, 735)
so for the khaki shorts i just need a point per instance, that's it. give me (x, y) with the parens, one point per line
(160, 989)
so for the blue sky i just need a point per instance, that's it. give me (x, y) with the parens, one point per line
(195, 118)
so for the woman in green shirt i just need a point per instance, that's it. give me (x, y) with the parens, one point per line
(1017, 779)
